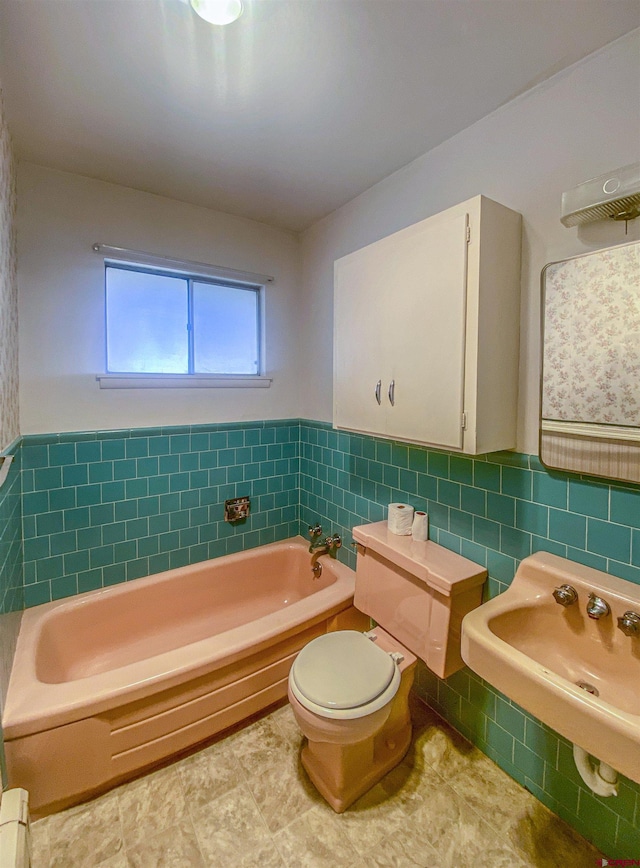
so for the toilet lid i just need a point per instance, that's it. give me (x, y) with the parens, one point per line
(342, 670)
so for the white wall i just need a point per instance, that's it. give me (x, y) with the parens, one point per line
(579, 124)
(9, 426)
(61, 283)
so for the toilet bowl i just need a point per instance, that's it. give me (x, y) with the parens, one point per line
(349, 693)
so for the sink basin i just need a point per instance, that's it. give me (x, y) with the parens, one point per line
(579, 676)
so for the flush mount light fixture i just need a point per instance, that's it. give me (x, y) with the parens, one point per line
(218, 11)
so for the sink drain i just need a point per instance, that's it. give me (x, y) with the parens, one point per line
(588, 687)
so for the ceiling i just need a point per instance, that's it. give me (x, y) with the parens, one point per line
(289, 112)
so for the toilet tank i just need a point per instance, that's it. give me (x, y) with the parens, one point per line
(419, 592)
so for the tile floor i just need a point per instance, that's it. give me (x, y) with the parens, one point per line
(246, 801)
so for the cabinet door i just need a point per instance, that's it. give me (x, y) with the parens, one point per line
(427, 318)
(359, 340)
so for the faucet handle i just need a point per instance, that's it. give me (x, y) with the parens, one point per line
(315, 530)
(597, 607)
(565, 595)
(629, 623)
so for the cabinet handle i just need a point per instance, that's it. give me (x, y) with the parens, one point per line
(392, 392)
(378, 390)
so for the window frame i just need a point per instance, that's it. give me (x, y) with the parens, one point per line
(146, 264)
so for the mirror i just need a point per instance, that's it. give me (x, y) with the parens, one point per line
(590, 384)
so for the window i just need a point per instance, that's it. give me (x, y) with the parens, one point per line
(173, 323)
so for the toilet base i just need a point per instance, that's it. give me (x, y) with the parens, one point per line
(358, 769)
(344, 772)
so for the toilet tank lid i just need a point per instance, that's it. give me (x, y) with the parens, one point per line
(441, 569)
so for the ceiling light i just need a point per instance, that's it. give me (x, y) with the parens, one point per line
(218, 11)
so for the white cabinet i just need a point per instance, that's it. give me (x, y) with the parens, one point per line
(426, 325)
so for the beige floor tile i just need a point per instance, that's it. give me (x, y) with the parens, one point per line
(175, 847)
(371, 819)
(404, 849)
(312, 842)
(118, 861)
(40, 844)
(411, 783)
(283, 792)
(230, 829)
(246, 802)
(151, 804)
(542, 839)
(445, 750)
(285, 721)
(458, 834)
(209, 774)
(86, 835)
(260, 746)
(492, 793)
(266, 856)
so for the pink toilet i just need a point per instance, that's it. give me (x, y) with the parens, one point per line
(349, 691)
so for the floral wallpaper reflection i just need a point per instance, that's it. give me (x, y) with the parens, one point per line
(591, 367)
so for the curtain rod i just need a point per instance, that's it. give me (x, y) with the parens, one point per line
(204, 268)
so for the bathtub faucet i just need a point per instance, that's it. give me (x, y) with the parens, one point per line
(321, 547)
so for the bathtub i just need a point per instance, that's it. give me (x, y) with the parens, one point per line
(114, 681)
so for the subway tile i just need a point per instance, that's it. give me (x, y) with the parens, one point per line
(102, 472)
(60, 543)
(89, 451)
(544, 544)
(588, 498)
(625, 507)
(609, 540)
(439, 464)
(64, 586)
(112, 450)
(50, 522)
(91, 580)
(47, 477)
(75, 474)
(473, 500)
(486, 532)
(566, 527)
(88, 495)
(486, 475)
(532, 517)
(550, 490)
(501, 508)
(62, 498)
(62, 453)
(517, 482)
(38, 593)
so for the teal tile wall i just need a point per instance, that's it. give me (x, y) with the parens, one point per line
(11, 587)
(494, 509)
(106, 507)
(11, 555)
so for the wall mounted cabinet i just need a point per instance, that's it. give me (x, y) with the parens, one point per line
(426, 327)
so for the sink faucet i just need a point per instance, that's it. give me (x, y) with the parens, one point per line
(597, 607)
(329, 545)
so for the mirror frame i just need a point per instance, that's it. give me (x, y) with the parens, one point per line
(592, 449)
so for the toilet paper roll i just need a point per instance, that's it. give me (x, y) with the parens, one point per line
(420, 526)
(400, 518)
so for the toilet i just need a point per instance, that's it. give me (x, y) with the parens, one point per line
(349, 691)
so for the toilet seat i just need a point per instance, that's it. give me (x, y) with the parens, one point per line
(343, 675)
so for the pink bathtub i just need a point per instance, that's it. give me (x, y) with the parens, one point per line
(113, 681)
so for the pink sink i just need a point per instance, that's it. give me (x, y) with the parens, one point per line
(579, 676)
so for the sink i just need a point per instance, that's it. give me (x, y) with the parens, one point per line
(579, 676)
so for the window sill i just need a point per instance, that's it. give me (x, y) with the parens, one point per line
(182, 381)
